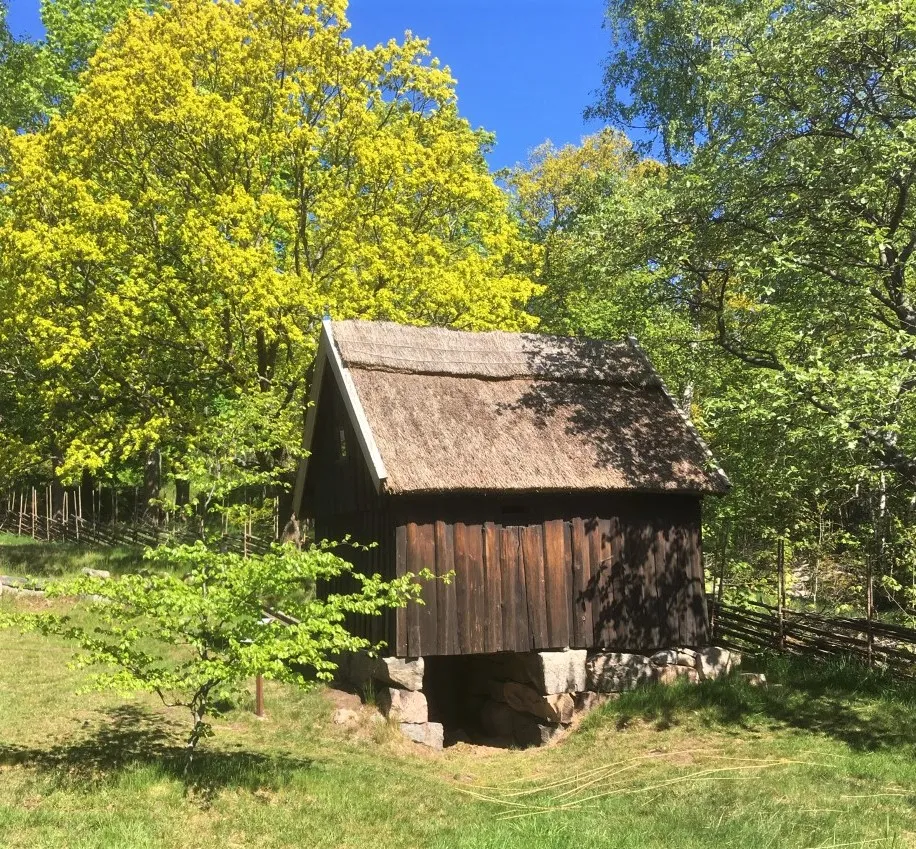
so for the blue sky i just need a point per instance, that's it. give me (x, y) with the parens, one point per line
(525, 68)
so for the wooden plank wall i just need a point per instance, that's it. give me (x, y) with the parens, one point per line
(341, 498)
(627, 576)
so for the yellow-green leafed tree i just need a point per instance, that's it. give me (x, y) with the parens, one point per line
(228, 170)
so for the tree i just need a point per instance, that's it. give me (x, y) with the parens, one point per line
(786, 131)
(227, 171)
(195, 631)
(19, 77)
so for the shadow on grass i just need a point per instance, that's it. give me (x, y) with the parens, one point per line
(867, 710)
(53, 559)
(134, 737)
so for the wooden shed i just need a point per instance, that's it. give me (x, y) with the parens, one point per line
(556, 477)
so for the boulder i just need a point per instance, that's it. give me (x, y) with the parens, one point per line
(95, 573)
(755, 679)
(687, 657)
(429, 734)
(497, 719)
(668, 657)
(528, 731)
(553, 672)
(613, 672)
(557, 707)
(403, 672)
(588, 701)
(670, 674)
(405, 706)
(712, 661)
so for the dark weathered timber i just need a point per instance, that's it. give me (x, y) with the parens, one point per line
(518, 636)
(400, 571)
(414, 632)
(476, 588)
(494, 589)
(533, 558)
(557, 589)
(463, 589)
(583, 598)
(425, 558)
(447, 637)
(620, 571)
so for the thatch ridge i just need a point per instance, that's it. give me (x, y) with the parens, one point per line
(495, 354)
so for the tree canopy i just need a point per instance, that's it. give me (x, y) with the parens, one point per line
(226, 172)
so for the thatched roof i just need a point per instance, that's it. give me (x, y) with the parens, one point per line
(445, 410)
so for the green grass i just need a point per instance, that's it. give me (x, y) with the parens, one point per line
(25, 557)
(824, 756)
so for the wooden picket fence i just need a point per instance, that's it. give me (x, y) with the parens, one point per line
(753, 625)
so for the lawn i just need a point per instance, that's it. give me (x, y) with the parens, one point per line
(824, 756)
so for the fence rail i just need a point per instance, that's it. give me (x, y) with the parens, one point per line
(109, 534)
(755, 625)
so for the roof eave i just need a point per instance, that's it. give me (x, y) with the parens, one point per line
(328, 357)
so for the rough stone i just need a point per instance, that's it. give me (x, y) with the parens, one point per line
(497, 719)
(429, 734)
(553, 672)
(557, 707)
(528, 731)
(712, 661)
(344, 716)
(95, 573)
(406, 706)
(687, 657)
(613, 672)
(755, 679)
(588, 701)
(668, 657)
(406, 673)
(670, 674)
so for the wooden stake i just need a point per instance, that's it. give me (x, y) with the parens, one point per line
(259, 696)
(34, 510)
(781, 568)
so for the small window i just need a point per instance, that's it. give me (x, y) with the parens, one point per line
(342, 452)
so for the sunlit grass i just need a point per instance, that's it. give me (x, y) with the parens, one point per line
(823, 756)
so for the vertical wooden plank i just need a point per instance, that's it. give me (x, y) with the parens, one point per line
(656, 620)
(556, 589)
(476, 588)
(584, 594)
(693, 545)
(604, 578)
(462, 588)
(570, 583)
(414, 641)
(447, 601)
(428, 613)
(493, 579)
(515, 621)
(677, 582)
(601, 608)
(533, 558)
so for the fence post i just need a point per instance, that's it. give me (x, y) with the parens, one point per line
(781, 569)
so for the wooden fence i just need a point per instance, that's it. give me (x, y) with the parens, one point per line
(34, 525)
(754, 625)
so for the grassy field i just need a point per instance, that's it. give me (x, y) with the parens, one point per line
(824, 756)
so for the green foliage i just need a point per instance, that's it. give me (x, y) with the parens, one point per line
(194, 632)
(228, 170)
(767, 266)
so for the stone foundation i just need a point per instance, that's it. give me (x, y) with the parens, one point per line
(524, 699)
